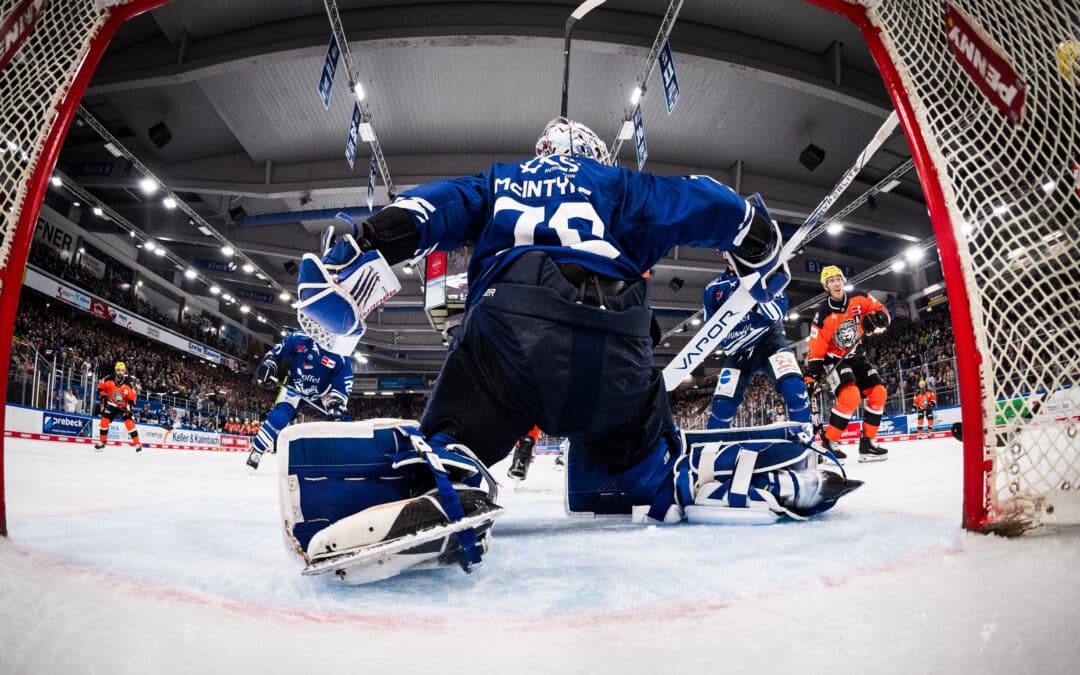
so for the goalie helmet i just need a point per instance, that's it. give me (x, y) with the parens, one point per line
(566, 137)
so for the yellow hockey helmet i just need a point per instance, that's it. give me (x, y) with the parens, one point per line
(830, 272)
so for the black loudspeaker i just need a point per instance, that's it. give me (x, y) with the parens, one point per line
(811, 157)
(160, 134)
(676, 284)
(237, 214)
(290, 267)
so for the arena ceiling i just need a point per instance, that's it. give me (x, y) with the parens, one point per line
(453, 86)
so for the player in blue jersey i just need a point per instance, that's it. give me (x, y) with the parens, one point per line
(305, 371)
(556, 334)
(757, 344)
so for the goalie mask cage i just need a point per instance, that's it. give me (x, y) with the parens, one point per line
(997, 152)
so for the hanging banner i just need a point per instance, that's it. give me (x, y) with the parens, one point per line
(371, 182)
(639, 138)
(354, 135)
(257, 296)
(326, 79)
(55, 237)
(667, 75)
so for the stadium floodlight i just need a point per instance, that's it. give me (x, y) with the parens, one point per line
(248, 268)
(228, 250)
(835, 228)
(148, 185)
(284, 295)
(914, 254)
(190, 273)
(215, 290)
(55, 180)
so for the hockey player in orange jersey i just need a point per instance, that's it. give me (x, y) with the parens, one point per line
(835, 332)
(925, 402)
(117, 399)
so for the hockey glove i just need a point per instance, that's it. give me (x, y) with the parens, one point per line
(335, 406)
(875, 322)
(266, 370)
(758, 256)
(339, 290)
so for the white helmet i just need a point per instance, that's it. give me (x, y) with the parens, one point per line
(556, 137)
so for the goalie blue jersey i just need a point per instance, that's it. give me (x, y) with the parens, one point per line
(753, 327)
(612, 221)
(314, 372)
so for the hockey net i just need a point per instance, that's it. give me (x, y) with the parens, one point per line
(997, 153)
(987, 92)
(48, 50)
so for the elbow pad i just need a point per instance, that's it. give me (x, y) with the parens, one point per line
(392, 232)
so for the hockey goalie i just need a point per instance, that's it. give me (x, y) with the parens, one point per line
(557, 333)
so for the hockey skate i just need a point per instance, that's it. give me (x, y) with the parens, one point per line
(253, 459)
(870, 451)
(404, 535)
(519, 465)
(834, 448)
(99, 446)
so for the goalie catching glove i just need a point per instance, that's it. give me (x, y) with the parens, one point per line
(339, 290)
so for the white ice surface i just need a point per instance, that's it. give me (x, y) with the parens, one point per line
(173, 562)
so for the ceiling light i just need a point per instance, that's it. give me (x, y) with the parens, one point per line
(190, 273)
(914, 254)
(244, 309)
(835, 228)
(98, 212)
(358, 90)
(215, 289)
(849, 287)
(260, 275)
(148, 185)
(793, 316)
(82, 249)
(1001, 210)
(139, 283)
(898, 266)
(283, 333)
(407, 269)
(626, 131)
(228, 298)
(55, 180)
(205, 230)
(932, 289)
(76, 204)
(228, 250)
(635, 95)
(890, 186)
(113, 150)
(367, 132)
(284, 295)
(261, 318)
(131, 233)
(160, 251)
(696, 321)
(150, 245)
(248, 268)
(169, 202)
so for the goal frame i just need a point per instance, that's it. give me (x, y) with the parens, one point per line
(976, 465)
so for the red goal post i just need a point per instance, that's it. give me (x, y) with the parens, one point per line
(986, 92)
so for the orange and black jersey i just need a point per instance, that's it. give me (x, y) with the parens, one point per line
(837, 325)
(925, 400)
(119, 395)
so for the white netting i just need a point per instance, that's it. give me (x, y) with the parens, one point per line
(32, 84)
(1012, 193)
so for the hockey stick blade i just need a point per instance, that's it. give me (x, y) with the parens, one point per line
(713, 331)
(374, 554)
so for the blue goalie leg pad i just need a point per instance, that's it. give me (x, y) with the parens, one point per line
(336, 477)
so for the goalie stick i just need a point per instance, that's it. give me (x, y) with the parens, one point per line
(713, 331)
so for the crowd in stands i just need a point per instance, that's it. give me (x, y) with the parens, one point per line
(111, 289)
(85, 349)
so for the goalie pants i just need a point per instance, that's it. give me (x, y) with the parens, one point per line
(528, 353)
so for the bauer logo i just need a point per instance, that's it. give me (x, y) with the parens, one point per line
(986, 64)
